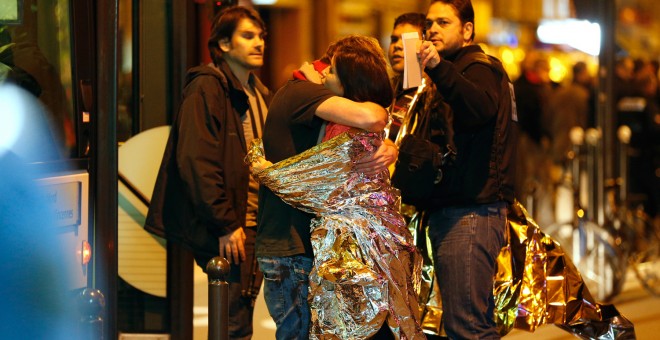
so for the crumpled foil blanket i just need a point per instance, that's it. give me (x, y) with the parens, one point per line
(536, 283)
(366, 267)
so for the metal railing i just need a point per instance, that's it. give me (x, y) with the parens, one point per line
(603, 251)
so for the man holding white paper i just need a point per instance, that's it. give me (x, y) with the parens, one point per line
(412, 71)
(469, 206)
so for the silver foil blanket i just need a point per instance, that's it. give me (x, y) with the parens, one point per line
(366, 266)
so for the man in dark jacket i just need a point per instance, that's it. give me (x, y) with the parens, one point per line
(204, 196)
(467, 220)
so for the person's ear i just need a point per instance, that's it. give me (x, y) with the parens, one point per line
(225, 45)
(468, 28)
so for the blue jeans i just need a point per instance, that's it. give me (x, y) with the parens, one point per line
(466, 241)
(286, 287)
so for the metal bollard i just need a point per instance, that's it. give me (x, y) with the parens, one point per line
(217, 269)
(91, 303)
(594, 204)
(576, 157)
(624, 134)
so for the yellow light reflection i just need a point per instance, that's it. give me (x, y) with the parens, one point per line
(558, 70)
(507, 56)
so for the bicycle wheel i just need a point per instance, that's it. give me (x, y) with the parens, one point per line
(600, 262)
(646, 252)
(594, 253)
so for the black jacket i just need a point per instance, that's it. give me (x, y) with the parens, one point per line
(482, 118)
(201, 189)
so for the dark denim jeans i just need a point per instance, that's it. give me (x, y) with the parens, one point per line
(466, 241)
(240, 317)
(286, 287)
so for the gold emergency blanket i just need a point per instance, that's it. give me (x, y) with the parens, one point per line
(366, 267)
(536, 284)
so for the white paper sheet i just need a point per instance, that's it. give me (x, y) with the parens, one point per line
(412, 70)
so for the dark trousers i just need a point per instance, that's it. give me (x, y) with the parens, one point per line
(241, 308)
(466, 242)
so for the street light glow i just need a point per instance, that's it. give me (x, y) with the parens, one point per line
(579, 34)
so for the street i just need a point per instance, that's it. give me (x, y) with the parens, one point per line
(634, 303)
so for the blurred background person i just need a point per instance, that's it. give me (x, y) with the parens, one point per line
(624, 70)
(571, 105)
(533, 91)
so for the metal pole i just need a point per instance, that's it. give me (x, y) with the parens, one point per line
(576, 160)
(103, 158)
(623, 134)
(217, 269)
(605, 109)
(594, 173)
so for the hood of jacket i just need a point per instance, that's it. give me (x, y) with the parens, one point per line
(227, 79)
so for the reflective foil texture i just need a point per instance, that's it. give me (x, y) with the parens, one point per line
(537, 284)
(366, 266)
(430, 300)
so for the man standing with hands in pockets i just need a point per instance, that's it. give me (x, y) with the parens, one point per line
(204, 196)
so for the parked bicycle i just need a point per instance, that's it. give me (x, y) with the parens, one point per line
(627, 239)
(636, 233)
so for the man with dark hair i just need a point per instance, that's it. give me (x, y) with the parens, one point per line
(284, 248)
(469, 206)
(204, 196)
(402, 106)
(410, 104)
(404, 23)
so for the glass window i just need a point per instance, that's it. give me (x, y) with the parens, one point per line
(35, 53)
(126, 115)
